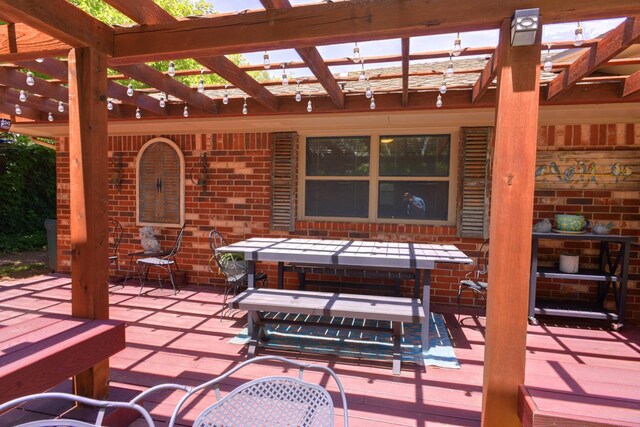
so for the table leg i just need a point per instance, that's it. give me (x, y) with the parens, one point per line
(251, 284)
(281, 275)
(397, 347)
(532, 281)
(426, 298)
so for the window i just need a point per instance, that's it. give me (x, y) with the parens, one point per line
(389, 178)
(160, 184)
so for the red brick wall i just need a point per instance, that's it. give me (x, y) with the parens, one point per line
(237, 202)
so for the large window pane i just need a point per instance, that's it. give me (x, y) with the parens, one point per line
(414, 155)
(337, 156)
(413, 199)
(337, 199)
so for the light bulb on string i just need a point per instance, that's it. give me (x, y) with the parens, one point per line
(368, 93)
(39, 60)
(245, 109)
(298, 94)
(548, 65)
(172, 69)
(266, 61)
(457, 46)
(449, 71)
(443, 86)
(372, 104)
(579, 36)
(60, 107)
(285, 80)
(50, 117)
(109, 104)
(185, 112)
(23, 96)
(363, 75)
(201, 81)
(18, 110)
(309, 106)
(138, 113)
(356, 53)
(225, 98)
(130, 90)
(30, 80)
(162, 102)
(439, 101)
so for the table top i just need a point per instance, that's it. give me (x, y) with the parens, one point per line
(348, 252)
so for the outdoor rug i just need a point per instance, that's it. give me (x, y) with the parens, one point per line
(358, 343)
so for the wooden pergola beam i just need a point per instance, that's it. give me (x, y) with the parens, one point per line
(169, 85)
(614, 42)
(21, 42)
(405, 71)
(62, 20)
(631, 84)
(16, 79)
(339, 22)
(486, 78)
(59, 70)
(7, 107)
(144, 12)
(34, 102)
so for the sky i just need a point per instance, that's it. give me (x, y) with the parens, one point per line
(557, 32)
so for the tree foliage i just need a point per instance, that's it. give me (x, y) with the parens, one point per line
(28, 192)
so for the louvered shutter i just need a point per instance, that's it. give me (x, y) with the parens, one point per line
(169, 203)
(475, 165)
(148, 183)
(283, 181)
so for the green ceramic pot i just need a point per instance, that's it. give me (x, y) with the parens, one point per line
(570, 222)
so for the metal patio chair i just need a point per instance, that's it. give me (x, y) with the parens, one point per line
(233, 267)
(473, 280)
(283, 400)
(115, 237)
(100, 405)
(165, 263)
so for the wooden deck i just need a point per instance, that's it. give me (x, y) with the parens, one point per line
(179, 338)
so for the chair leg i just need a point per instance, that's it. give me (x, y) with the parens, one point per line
(142, 277)
(173, 280)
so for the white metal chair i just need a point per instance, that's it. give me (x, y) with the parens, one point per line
(100, 405)
(166, 263)
(232, 266)
(269, 401)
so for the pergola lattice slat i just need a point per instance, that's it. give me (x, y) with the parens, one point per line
(631, 84)
(42, 87)
(486, 78)
(405, 71)
(21, 42)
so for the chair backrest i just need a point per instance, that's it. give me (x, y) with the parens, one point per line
(100, 405)
(115, 234)
(482, 261)
(229, 264)
(176, 246)
(269, 401)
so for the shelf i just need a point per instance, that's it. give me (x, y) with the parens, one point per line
(582, 274)
(573, 309)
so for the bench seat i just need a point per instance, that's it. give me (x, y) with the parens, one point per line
(396, 310)
(40, 353)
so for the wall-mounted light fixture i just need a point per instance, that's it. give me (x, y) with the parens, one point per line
(524, 26)
(201, 179)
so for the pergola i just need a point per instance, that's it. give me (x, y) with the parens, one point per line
(510, 82)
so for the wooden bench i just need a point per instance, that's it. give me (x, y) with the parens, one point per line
(368, 307)
(40, 353)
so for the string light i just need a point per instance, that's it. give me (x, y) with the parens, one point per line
(39, 60)
(285, 80)
(372, 104)
(23, 96)
(50, 117)
(579, 36)
(368, 93)
(298, 94)
(309, 106)
(443, 86)
(185, 112)
(267, 61)
(61, 107)
(201, 81)
(363, 76)
(162, 102)
(172, 69)
(439, 101)
(245, 109)
(30, 79)
(109, 104)
(138, 113)
(449, 71)
(356, 53)
(130, 90)
(548, 65)
(225, 98)
(18, 110)
(457, 46)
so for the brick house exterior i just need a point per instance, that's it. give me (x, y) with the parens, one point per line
(237, 201)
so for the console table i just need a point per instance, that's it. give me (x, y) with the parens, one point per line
(612, 272)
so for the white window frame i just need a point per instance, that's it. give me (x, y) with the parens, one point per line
(177, 149)
(374, 178)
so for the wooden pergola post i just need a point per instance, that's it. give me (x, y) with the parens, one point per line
(88, 200)
(510, 228)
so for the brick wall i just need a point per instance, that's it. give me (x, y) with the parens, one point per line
(236, 200)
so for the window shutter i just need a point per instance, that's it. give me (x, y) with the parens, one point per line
(475, 165)
(148, 203)
(283, 181)
(169, 204)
